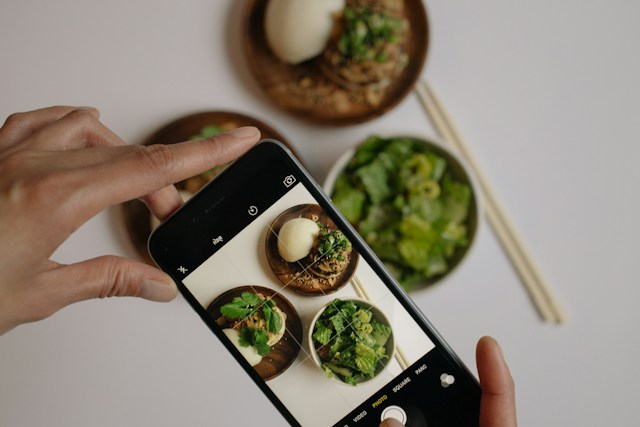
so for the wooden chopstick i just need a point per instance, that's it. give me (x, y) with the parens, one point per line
(539, 291)
(362, 293)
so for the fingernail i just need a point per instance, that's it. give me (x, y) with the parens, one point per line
(245, 132)
(155, 290)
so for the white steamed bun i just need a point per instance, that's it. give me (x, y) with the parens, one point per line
(298, 30)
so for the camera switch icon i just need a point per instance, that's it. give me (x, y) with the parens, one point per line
(289, 181)
(253, 211)
(446, 380)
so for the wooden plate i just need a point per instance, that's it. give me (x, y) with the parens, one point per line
(136, 215)
(284, 351)
(286, 271)
(276, 77)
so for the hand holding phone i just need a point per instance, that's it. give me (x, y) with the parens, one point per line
(303, 304)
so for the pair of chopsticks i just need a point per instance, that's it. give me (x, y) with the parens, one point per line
(539, 291)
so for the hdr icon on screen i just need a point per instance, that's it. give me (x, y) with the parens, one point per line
(217, 240)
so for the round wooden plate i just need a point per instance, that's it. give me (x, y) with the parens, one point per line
(286, 271)
(136, 215)
(284, 351)
(276, 77)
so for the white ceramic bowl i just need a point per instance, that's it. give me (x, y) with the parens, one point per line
(378, 315)
(458, 169)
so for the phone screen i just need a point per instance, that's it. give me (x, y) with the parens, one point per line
(303, 304)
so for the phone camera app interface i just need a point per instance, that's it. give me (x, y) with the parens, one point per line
(309, 314)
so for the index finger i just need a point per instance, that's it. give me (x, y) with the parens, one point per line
(146, 169)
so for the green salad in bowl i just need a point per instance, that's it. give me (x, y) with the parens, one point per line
(351, 340)
(412, 202)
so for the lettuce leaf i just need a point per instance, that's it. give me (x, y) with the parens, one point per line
(366, 359)
(375, 180)
(381, 332)
(355, 340)
(405, 202)
(322, 334)
(350, 202)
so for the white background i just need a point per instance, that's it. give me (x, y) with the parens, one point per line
(546, 94)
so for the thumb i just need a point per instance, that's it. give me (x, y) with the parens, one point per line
(498, 405)
(109, 276)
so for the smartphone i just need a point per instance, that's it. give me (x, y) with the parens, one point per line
(305, 306)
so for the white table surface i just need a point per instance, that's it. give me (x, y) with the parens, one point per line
(545, 93)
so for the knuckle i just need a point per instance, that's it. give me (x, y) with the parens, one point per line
(119, 274)
(83, 119)
(215, 144)
(16, 120)
(157, 157)
(157, 198)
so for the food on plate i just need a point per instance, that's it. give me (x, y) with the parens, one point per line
(298, 30)
(350, 343)
(346, 53)
(296, 238)
(308, 253)
(406, 204)
(319, 255)
(258, 321)
(369, 44)
(331, 253)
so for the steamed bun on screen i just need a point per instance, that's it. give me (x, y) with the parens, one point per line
(296, 238)
(298, 30)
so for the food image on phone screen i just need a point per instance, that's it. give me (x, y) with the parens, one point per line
(304, 306)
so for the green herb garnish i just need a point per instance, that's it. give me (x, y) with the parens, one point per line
(252, 305)
(240, 307)
(366, 32)
(332, 243)
(254, 337)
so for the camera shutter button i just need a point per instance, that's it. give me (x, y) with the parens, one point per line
(395, 412)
